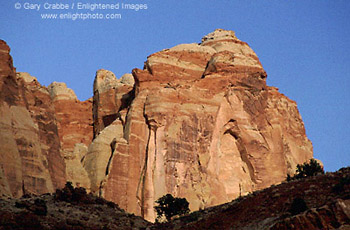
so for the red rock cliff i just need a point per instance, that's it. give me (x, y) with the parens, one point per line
(199, 123)
(43, 132)
(30, 158)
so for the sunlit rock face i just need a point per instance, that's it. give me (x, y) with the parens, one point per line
(30, 160)
(74, 125)
(199, 122)
(43, 133)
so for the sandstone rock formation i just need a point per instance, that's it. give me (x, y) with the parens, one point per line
(330, 216)
(111, 99)
(327, 207)
(74, 124)
(199, 123)
(39, 128)
(326, 197)
(29, 142)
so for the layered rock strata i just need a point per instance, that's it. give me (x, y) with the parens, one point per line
(323, 202)
(74, 125)
(39, 130)
(30, 158)
(111, 98)
(200, 122)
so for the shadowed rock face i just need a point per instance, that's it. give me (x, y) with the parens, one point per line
(325, 197)
(29, 144)
(74, 124)
(198, 122)
(39, 130)
(50, 211)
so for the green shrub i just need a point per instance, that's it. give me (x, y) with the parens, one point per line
(168, 206)
(73, 195)
(306, 170)
(66, 193)
(79, 196)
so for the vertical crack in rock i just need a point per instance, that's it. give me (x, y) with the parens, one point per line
(142, 179)
(245, 141)
(155, 151)
(113, 146)
(151, 177)
(96, 99)
(241, 147)
(147, 180)
(100, 189)
(143, 175)
(127, 108)
(245, 159)
(147, 192)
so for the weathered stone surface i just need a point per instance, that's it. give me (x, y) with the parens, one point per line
(59, 91)
(203, 125)
(8, 84)
(327, 207)
(39, 105)
(198, 122)
(75, 171)
(29, 144)
(127, 79)
(6, 65)
(26, 77)
(331, 216)
(39, 127)
(74, 124)
(111, 98)
(177, 65)
(100, 154)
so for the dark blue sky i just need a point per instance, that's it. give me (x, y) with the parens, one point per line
(304, 47)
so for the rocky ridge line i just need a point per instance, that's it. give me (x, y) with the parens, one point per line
(326, 196)
(199, 117)
(198, 122)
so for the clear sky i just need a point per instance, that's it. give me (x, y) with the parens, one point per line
(303, 45)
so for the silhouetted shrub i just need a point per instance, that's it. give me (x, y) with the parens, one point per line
(71, 194)
(340, 187)
(194, 216)
(80, 196)
(168, 206)
(298, 205)
(22, 204)
(112, 205)
(40, 207)
(66, 193)
(312, 168)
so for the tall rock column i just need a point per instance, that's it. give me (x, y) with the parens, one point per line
(75, 130)
(30, 160)
(204, 125)
(111, 101)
